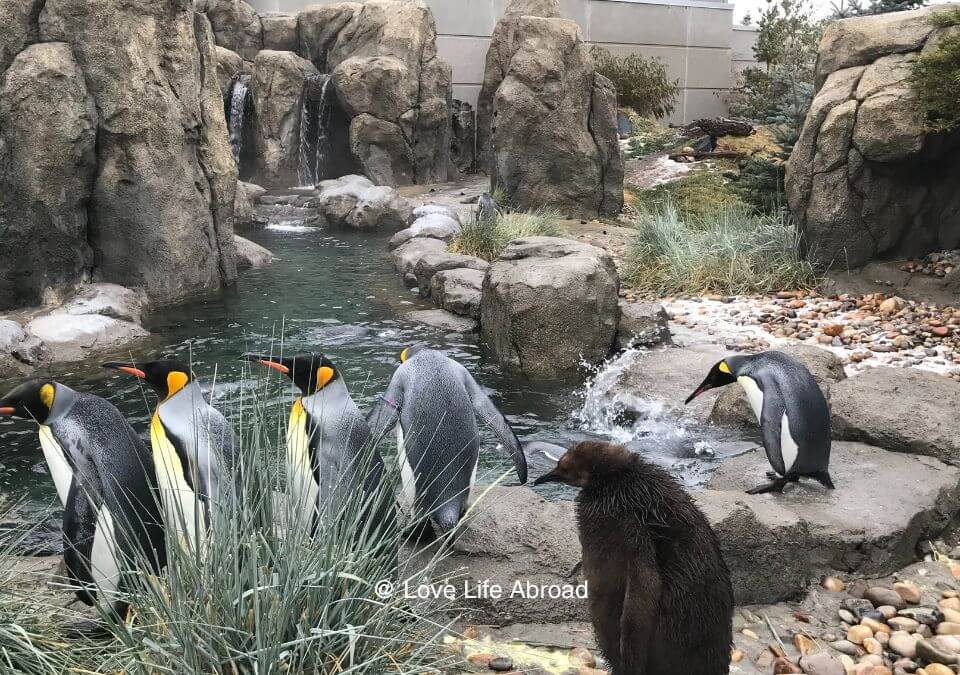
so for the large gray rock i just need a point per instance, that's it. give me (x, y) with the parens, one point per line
(236, 26)
(438, 261)
(280, 32)
(463, 137)
(406, 256)
(547, 120)
(18, 350)
(251, 254)
(355, 202)
(900, 409)
(18, 28)
(867, 179)
(391, 84)
(161, 209)
(444, 320)
(732, 407)
(276, 87)
(884, 506)
(642, 324)
(548, 305)
(48, 126)
(110, 300)
(245, 203)
(229, 65)
(435, 225)
(458, 291)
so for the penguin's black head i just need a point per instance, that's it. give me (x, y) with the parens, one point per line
(31, 400)
(722, 374)
(166, 377)
(587, 462)
(311, 372)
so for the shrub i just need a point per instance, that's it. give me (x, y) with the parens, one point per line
(936, 76)
(649, 136)
(693, 196)
(641, 83)
(729, 250)
(487, 239)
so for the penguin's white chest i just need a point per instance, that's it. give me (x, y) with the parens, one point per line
(57, 463)
(182, 509)
(301, 480)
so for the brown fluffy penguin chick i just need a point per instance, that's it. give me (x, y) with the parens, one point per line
(659, 590)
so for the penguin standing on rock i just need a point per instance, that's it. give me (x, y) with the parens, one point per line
(437, 401)
(327, 437)
(105, 480)
(659, 591)
(193, 445)
(792, 411)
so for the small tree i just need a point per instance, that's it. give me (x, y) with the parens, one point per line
(936, 75)
(642, 83)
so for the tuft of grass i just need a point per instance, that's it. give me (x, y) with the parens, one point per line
(730, 250)
(694, 196)
(487, 239)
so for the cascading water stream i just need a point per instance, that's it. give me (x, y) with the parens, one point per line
(315, 112)
(239, 93)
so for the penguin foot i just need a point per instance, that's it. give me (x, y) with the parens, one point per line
(772, 475)
(824, 479)
(773, 486)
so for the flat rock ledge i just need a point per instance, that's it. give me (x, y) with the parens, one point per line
(885, 505)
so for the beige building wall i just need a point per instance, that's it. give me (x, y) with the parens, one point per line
(693, 37)
(742, 48)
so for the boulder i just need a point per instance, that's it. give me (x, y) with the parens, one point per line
(276, 87)
(732, 407)
(900, 409)
(463, 138)
(229, 65)
(110, 300)
(280, 32)
(867, 179)
(393, 87)
(405, 256)
(355, 202)
(434, 225)
(74, 337)
(18, 350)
(547, 121)
(250, 254)
(775, 544)
(444, 320)
(432, 262)
(236, 26)
(428, 209)
(245, 204)
(48, 123)
(458, 291)
(550, 304)
(642, 324)
(161, 208)
(19, 21)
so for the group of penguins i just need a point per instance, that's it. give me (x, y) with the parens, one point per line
(649, 555)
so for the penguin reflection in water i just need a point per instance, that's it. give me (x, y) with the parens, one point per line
(437, 401)
(659, 591)
(328, 440)
(104, 477)
(792, 411)
(190, 439)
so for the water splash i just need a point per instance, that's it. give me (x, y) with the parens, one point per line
(316, 108)
(239, 101)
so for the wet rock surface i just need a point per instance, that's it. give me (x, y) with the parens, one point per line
(642, 324)
(250, 254)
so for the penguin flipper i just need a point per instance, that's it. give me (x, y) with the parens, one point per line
(494, 419)
(79, 529)
(386, 411)
(771, 427)
(638, 620)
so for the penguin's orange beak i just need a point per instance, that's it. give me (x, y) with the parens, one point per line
(123, 368)
(266, 361)
(7, 410)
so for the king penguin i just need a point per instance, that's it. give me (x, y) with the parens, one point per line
(792, 411)
(329, 453)
(193, 445)
(106, 483)
(436, 401)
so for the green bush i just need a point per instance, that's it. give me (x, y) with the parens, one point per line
(649, 136)
(730, 250)
(936, 76)
(692, 196)
(641, 83)
(487, 239)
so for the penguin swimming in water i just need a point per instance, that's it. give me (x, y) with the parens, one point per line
(792, 411)
(659, 590)
(105, 480)
(194, 447)
(437, 401)
(327, 437)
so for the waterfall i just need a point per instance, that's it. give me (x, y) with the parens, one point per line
(316, 109)
(239, 94)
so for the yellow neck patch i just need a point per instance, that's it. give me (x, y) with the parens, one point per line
(47, 392)
(724, 368)
(403, 355)
(324, 375)
(176, 380)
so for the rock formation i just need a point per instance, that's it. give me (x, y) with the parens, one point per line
(866, 178)
(548, 305)
(114, 159)
(236, 26)
(382, 56)
(547, 121)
